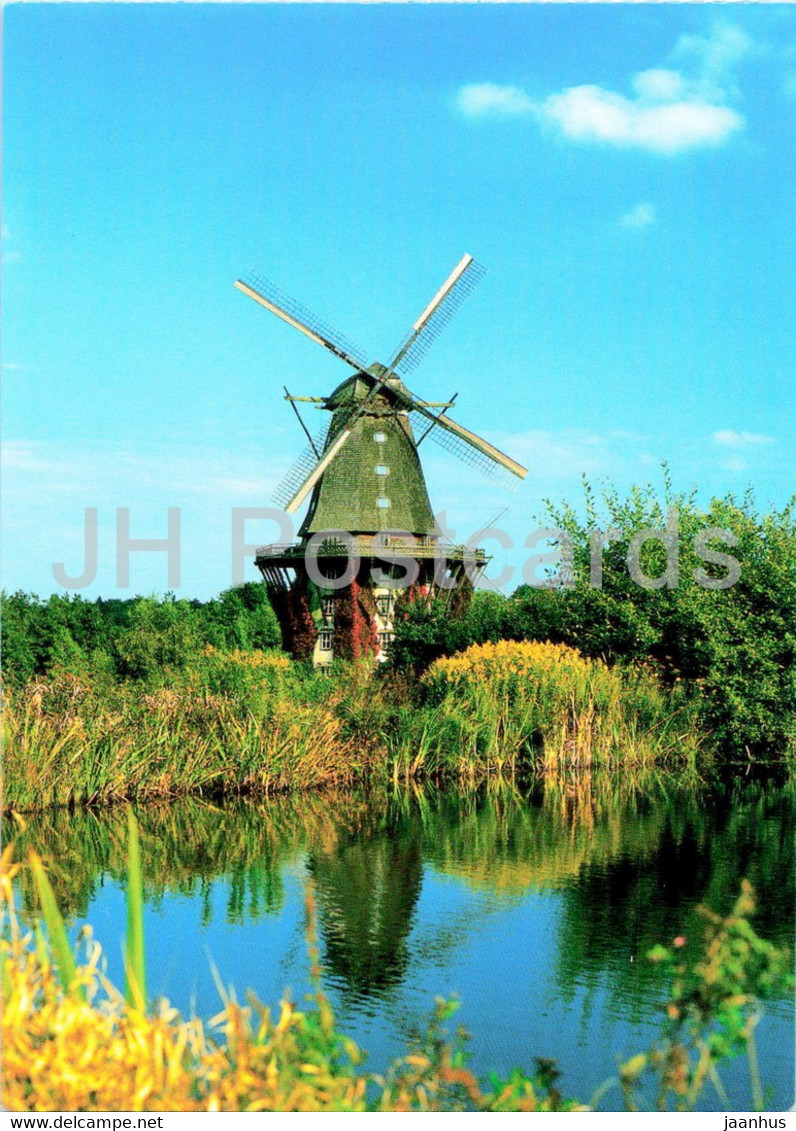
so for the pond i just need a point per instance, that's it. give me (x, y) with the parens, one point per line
(535, 908)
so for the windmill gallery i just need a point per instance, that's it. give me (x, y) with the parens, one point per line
(365, 483)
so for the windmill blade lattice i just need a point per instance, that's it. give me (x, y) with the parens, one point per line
(458, 447)
(303, 319)
(417, 343)
(306, 463)
(303, 466)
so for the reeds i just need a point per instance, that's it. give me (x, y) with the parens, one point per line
(495, 708)
(70, 742)
(242, 722)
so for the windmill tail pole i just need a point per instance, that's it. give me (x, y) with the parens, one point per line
(301, 422)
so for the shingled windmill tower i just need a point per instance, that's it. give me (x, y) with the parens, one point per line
(369, 542)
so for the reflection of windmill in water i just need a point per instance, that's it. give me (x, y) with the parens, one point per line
(367, 491)
(367, 891)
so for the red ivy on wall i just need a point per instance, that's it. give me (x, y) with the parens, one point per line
(355, 632)
(302, 627)
(292, 608)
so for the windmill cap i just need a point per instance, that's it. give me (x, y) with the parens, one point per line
(355, 388)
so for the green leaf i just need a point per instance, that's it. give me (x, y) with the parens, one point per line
(59, 943)
(135, 969)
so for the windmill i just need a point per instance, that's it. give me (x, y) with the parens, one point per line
(367, 493)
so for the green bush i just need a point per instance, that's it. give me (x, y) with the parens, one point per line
(732, 647)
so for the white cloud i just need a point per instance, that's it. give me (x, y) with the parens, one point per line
(729, 439)
(26, 455)
(669, 111)
(734, 463)
(259, 487)
(566, 455)
(632, 437)
(639, 217)
(47, 487)
(717, 55)
(485, 99)
(104, 474)
(8, 257)
(591, 114)
(659, 84)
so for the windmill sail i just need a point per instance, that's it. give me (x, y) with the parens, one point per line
(301, 469)
(459, 285)
(469, 446)
(309, 467)
(296, 315)
(377, 392)
(317, 471)
(471, 449)
(487, 451)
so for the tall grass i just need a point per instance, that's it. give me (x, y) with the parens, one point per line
(242, 722)
(72, 1042)
(234, 723)
(496, 707)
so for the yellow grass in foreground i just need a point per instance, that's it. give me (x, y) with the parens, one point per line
(72, 1042)
(85, 1048)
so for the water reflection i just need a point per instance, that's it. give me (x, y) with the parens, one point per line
(367, 889)
(628, 862)
(533, 906)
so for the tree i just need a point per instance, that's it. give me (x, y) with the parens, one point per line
(731, 640)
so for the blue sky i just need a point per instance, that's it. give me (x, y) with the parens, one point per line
(625, 173)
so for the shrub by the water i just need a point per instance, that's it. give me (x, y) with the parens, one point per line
(734, 647)
(255, 721)
(499, 706)
(108, 700)
(229, 722)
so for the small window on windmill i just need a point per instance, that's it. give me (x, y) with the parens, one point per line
(327, 606)
(383, 503)
(384, 605)
(385, 640)
(325, 640)
(380, 437)
(382, 469)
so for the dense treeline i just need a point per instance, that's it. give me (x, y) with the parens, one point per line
(132, 639)
(732, 647)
